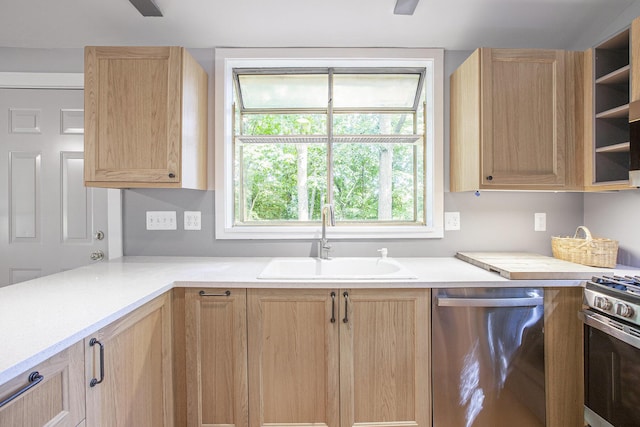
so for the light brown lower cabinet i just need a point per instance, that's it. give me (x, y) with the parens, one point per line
(272, 358)
(338, 357)
(56, 396)
(216, 357)
(129, 363)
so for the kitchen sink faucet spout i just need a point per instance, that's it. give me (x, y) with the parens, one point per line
(328, 215)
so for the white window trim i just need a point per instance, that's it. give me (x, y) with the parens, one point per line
(228, 58)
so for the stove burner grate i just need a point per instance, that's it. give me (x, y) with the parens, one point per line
(629, 284)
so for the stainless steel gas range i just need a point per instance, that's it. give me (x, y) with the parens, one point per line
(612, 351)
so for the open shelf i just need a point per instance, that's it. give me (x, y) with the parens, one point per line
(612, 166)
(617, 42)
(619, 76)
(614, 113)
(623, 147)
(611, 101)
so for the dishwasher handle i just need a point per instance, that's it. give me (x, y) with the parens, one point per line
(490, 302)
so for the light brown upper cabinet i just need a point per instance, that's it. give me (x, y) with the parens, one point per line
(145, 118)
(635, 59)
(612, 81)
(512, 125)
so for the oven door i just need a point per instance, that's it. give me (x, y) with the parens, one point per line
(612, 372)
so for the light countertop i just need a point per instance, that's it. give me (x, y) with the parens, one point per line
(41, 317)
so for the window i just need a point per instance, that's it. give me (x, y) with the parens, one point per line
(358, 128)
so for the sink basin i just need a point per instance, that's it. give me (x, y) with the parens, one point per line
(336, 268)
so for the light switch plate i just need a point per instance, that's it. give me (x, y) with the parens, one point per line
(192, 220)
(161, 220)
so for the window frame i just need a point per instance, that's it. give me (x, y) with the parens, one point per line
(226, 59)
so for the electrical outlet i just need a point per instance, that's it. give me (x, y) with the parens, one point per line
(540, 221)
(452, 221)
(161, 220)
(192, 220)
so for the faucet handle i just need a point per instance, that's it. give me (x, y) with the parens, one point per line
(383, 252)
(329, 214)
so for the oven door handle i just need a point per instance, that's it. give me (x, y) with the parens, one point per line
(590, 319)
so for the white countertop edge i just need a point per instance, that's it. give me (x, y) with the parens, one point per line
(27, 364)
(144, 271)
(377, 284)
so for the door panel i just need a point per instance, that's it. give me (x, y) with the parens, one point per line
(384, 358)
(137, 387)
(293, 358)
(57, 400)
(47, 217)
(216, 353)
(523, 117)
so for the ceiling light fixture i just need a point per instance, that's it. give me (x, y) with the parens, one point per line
(405, 7)
(148, 7)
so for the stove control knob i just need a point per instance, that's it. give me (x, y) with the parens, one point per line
(623, 310)
(602, 303)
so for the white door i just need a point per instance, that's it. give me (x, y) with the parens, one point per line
(48, 219)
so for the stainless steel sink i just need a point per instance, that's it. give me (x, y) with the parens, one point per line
(335, 268)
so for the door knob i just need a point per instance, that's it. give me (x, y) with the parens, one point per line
(97, 256)
(99, 235)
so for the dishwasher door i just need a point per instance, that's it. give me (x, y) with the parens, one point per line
(488, 357)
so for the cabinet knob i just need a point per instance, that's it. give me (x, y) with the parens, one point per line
(490, 178)
(172, 175)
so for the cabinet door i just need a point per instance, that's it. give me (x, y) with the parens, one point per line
(523, 117)
(293, 358)
(132, 114)
(55, 400)
(136, 389)
(385, 358)
(216, 355)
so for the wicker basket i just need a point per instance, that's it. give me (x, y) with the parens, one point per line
(593, 251)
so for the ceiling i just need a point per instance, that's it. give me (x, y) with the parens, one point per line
(451, 24)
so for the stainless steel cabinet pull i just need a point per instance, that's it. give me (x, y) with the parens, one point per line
(95, 381)
(225, 294)
(346, 307)
(333, 307)
(34, 379)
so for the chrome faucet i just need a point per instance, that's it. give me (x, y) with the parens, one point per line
(327, 215)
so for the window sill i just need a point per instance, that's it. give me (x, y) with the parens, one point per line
(334, 233)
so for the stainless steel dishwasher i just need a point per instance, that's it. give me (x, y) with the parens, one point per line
(488, 357)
